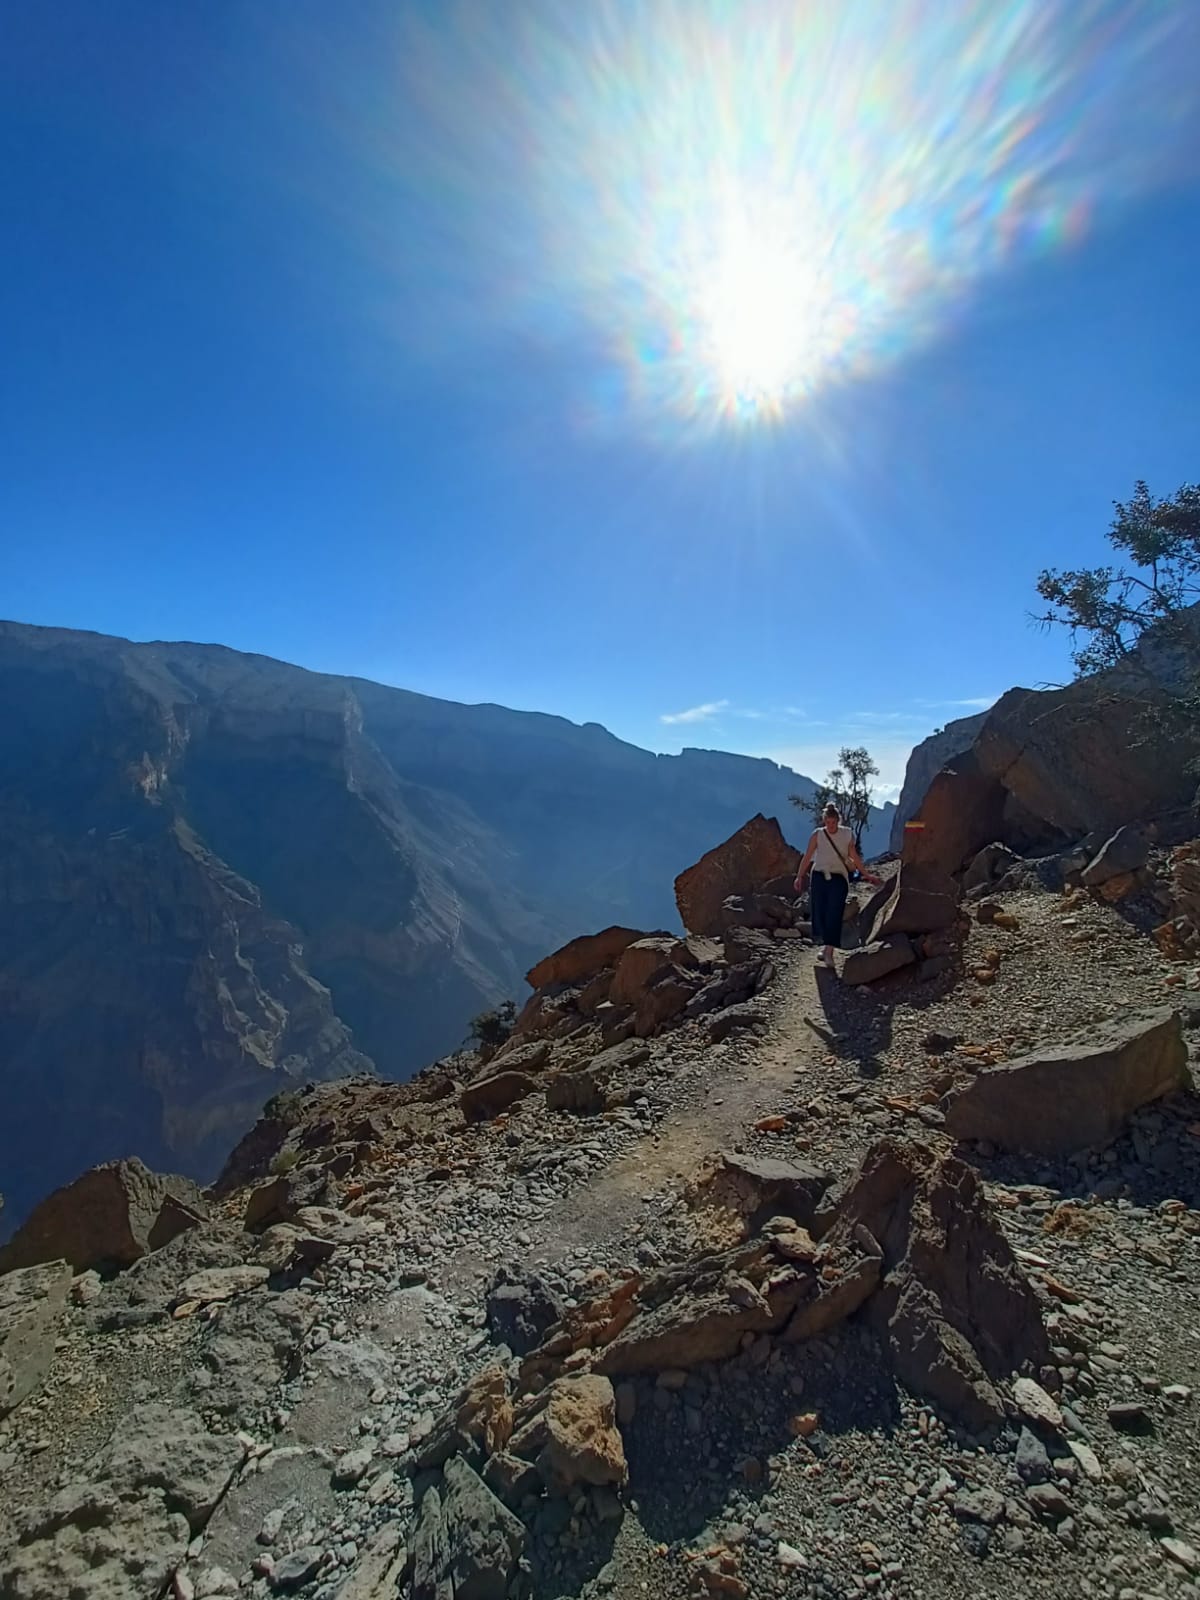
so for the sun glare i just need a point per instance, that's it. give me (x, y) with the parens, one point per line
(759, 318)
(734, 208)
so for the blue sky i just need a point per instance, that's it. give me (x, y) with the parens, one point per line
(721, 373)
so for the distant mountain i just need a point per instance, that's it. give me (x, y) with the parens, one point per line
(219, 873)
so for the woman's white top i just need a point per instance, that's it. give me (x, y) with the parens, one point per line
(826, 858)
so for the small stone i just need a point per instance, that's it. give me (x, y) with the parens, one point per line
(213, 1582)
(297, 1569)
(1087, 1458)
(348, 1469)
(1183, 1553)
(1034, 1403)
(1129, 1416)
(1032, 1461)
(978, 1505)
(791, 1559)
(1049, 1500)
(1177, 1393)
(272, 1523)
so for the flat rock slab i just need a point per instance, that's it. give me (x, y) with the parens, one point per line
(32, 1301)
(875, 961)
(222, 1283)
(1077, 1096)
(797, 1184)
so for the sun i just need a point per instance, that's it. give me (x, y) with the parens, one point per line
(759, 312)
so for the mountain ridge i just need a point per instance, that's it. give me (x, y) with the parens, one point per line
(221, 873)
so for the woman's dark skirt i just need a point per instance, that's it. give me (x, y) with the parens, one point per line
(828, 906)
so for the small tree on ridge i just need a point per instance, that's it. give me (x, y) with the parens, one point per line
(849, 787)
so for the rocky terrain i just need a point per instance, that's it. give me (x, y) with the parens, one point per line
(220, 874)
(721, 1275)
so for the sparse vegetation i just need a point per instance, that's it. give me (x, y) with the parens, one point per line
(284, 1162)
(849, 787)
(1108, 609)
(490, 1029)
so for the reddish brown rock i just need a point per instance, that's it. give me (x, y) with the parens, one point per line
(108, 1218)
(570, 1434)
(643, 961)
(963, 811)
(1054, 1102)
(750, 858)
(582, 958)
(479, 1423)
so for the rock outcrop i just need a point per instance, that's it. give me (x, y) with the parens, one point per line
(1045, 768)
(108, 1218)
(752, 857)
(941, 749)
(1076, 1096)
(958, 1313)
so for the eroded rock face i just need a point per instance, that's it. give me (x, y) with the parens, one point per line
(955, 1308)
(32, 1301)
(1043, 769)
(750, 858)
(1054, 1102)
(108, 1218)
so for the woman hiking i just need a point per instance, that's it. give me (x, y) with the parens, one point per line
(831, 855)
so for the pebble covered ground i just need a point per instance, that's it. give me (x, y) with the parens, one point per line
(871, 1494)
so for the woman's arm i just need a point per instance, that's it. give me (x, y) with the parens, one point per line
(856, 861)
(805, 864)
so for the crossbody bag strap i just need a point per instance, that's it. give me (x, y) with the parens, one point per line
(833, 841)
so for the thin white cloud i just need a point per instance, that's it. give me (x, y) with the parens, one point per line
(979, 702)
(704, 713)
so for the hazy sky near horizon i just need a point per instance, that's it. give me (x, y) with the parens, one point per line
(721, 372)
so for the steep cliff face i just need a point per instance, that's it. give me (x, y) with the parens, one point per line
(219, 873)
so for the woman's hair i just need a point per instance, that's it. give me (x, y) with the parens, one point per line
(832, 811)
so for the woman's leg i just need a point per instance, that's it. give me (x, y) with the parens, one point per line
(817, 888)
(835, 908)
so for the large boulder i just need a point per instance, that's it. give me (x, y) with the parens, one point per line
(521, 1310)
(108, 1218)
(745, 862)
(32, 1303)
(963, 810)
(479, 1422)
(1076, 1096)
(927, 759)
(570, 1434)
(923, 899)
(771, 1186)
(582, 958)
(1044, 768)
(954, 1307)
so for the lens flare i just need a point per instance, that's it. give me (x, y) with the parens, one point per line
(731, 205)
